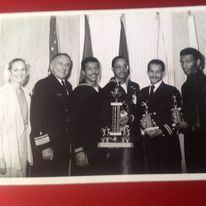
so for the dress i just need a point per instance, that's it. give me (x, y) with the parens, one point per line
(50, 115)
(15, 128)
(124, 160)
(194, 109)
(163, 151)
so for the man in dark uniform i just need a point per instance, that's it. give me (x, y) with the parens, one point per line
(161, 143)
(50, 120)
(194, 109)
(86, 120)
(123, 160)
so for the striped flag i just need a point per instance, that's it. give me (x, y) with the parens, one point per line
(87, 51)
(53, 42)
(123, 51)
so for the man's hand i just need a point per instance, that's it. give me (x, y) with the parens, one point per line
(2, 166)
(47, 154)
(143, 122)
(153, 132)
(81, 159)
(124, 118)
(182, 125)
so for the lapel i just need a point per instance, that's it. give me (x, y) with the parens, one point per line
(129, 90)
(152, 100)
(159, 89)
(15, 109)
(58, 88)
(147, 91)
(28, 98)
(55, 81)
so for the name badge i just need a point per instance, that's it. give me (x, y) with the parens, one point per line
(41, 140)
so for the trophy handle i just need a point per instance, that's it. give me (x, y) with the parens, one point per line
(177, 115)
(176, 112)
(116, 119)
(149, 122)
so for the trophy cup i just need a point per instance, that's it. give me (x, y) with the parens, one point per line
(176, 112)
(150, 124)
(118, 135)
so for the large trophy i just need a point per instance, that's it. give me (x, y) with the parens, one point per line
(176, 112)
(118, 135)
(149, 122)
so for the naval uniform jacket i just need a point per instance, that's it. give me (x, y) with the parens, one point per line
(130, 100)
(129, 160)
(85, 126)
(50, 114)
(163, 151)
(194, 100)
(194, 109)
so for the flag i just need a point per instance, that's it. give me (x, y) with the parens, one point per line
(157, 19)
(192, 31)
(123, 40)
(87, 51)
(53, 42)
(162, 47)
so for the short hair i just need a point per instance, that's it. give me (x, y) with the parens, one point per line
(60, 54)
(191, 51)
(87, 60)
(10, 64)
(158, 62)
(117, 58)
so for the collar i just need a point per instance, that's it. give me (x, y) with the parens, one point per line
(194, 76)
(124, 86)
(60, 80)
(84, 83)
(156, 86)
(96, 88)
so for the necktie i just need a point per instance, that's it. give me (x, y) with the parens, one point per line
(64, 87)
(152, 90)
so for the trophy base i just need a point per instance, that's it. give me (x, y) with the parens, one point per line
(115, 145)
(115, 134)
(151, 128)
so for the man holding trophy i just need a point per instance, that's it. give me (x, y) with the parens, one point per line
(121, 135)
(161, 103)
(194, 105)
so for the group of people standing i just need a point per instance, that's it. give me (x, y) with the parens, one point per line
(56, 131)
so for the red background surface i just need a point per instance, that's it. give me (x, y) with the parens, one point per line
(140, 194)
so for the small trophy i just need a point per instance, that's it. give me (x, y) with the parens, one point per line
(176, 112)
(150, 124)
(118, 136)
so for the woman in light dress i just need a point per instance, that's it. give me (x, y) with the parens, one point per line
(15, 150)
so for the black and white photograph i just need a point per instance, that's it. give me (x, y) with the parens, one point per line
(117, 94)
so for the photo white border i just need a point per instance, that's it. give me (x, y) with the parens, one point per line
(130, 178)
(102, 179)
(107, 11)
